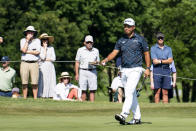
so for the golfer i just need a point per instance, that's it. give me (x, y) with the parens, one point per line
(132, 47)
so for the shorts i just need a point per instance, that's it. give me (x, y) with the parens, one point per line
(29, 68)
(163, 80)
(88, 80)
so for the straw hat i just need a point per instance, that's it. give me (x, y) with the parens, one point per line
(46, 36)
(64, 75)
(30, 28)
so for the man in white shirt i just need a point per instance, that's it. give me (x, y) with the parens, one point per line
(30, 47)
(117, 87)
(84, 71)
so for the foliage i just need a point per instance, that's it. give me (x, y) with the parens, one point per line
(69, 21)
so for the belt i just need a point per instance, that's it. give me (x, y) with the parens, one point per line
(4, 91)
(88, 69)
(29, 61)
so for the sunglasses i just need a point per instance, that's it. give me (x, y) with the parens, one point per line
(65, 78)
(44, 39)
(127, 26)
(89, 42)
(160, 38)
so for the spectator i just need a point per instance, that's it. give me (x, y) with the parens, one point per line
(7, 77)
(173, 80)
(47, 77)
(161, 55)
(132, 48)
(65, 90)
(117, 88)
(30, 47)
(15, 93)
(84, 71)
(1, 39)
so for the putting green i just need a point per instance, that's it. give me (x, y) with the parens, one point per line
(49, 115)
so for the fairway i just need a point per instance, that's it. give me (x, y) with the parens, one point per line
(49, 115)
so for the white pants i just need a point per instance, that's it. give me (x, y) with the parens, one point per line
(130, 79)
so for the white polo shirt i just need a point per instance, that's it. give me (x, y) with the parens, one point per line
(34, 45)
(84, 56)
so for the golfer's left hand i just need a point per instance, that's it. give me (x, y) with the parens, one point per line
(147, 73)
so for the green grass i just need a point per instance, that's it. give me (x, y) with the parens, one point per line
(49, 115)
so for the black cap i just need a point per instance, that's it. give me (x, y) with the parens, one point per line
(160, 35)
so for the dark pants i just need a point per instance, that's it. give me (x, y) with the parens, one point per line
(6, 94)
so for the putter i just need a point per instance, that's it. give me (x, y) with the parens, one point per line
(141, 87)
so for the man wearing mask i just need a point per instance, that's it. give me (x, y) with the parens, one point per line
(30, 47)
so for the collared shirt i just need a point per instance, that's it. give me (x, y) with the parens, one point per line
(132, 50)
(84, 56)
(161, 54)
(7, 78)
(116, 83)
(35, 45)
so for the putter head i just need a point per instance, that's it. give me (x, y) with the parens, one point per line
(138, 93)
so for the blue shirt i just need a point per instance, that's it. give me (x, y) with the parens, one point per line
(161, 54)
(132, 50)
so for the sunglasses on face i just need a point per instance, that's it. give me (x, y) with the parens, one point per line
(44, 39)
(3, 62)
(160, 38)
(89, 42)
(127, 26)
(66, 78)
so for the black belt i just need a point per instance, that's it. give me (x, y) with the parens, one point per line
(88, 69)
(29, 61)
(4, 91)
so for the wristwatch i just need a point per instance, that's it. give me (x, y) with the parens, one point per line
(148, 68)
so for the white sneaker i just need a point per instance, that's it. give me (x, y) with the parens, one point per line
(134, 121)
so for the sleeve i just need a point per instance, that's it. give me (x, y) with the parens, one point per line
(170, 53)
(145, 46)
(114, 84)
(118, 45)
(98, 58)
(152, 53)
(42, 56)
(22, 42)
(173, 68)
(38, 47)
(53, 55)
(78, 55)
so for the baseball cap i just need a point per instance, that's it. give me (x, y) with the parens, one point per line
(129, 21)
(160, 35)
(5, 58)
(15, 89)
(88, 38)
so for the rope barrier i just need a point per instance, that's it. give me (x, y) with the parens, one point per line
(184, 78)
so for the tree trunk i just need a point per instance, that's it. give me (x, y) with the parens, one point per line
(186, 91)
(193, 97)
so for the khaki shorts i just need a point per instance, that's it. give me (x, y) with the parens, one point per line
(88, 79)
(29, 68)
